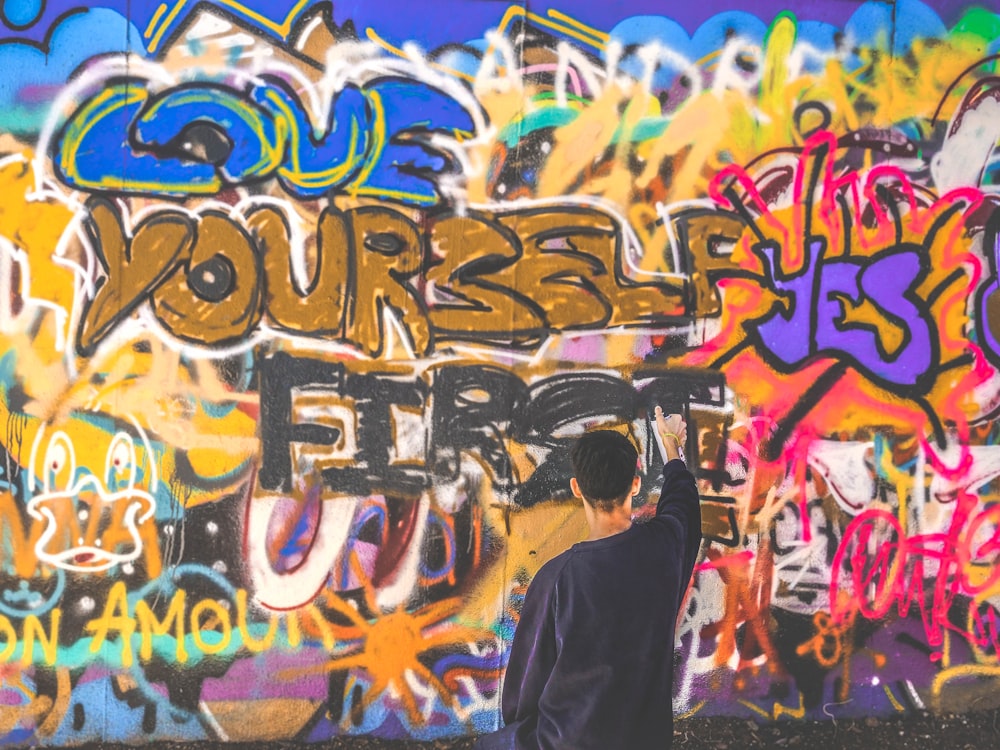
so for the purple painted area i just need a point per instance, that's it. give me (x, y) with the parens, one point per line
(818, 301)
(11, 697)
(438, 22)
(256, 678)
(583, 348)
(693, 15)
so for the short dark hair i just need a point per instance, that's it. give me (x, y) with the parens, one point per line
(604, 464)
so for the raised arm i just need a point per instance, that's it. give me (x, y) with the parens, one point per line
(679, 494)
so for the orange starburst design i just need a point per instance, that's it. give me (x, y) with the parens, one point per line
(388, 645)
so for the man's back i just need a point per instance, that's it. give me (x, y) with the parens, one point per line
(592, 661)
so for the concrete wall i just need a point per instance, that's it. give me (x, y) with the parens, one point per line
(301, 307)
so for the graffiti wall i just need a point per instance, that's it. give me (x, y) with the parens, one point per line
(301, 306)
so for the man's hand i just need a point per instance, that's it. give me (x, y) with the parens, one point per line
(672, 432)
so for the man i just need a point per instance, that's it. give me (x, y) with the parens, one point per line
(591, 665)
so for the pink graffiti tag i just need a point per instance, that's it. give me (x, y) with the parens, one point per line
(876, 566)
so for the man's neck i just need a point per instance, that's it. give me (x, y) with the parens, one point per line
(608, 524)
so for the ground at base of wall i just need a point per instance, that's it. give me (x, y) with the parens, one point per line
(970, 731)
(915, 731)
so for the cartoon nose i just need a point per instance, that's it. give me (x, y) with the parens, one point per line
(89, 511)
(82, 498)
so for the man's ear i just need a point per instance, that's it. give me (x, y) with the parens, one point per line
(636, 484)
(575, 486)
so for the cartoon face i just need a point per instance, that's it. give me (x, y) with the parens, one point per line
(92, 521)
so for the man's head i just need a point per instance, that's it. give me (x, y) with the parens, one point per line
(604, 469)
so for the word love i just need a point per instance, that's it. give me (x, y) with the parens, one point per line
(202, 137)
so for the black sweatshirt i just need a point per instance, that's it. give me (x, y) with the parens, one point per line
(591, 665)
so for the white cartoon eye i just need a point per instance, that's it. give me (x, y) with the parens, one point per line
(58, 469)
(120, 457)
(121, 460)
(57, 458)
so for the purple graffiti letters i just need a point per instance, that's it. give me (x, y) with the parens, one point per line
(815, 316)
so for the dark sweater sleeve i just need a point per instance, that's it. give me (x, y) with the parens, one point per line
(679, 506)
(532, 658)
